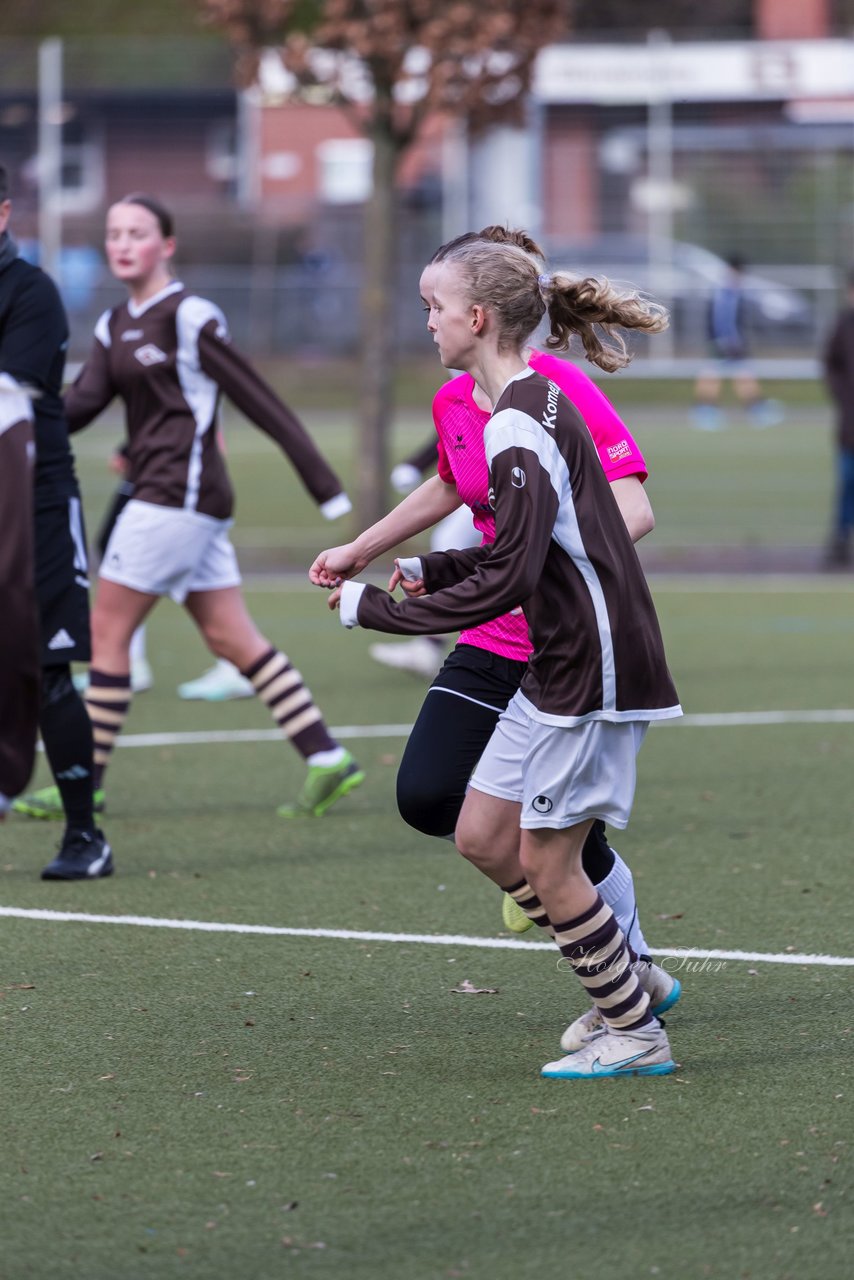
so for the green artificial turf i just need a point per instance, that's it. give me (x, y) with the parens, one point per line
(180, 1103)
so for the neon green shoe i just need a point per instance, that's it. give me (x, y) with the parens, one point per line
(324, 785)
(47, 804)
(514, 917)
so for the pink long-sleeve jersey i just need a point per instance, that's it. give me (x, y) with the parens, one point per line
(460, 425)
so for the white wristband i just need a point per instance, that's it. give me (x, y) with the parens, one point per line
(348, 607)
(340, 505)
(410, 567)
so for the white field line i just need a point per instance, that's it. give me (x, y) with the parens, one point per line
(704, 720)
(436, 940)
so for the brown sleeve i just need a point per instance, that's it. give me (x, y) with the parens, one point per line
(501, 576)
(444, 568)
(233, 373)
(91, 391)
(20, 652)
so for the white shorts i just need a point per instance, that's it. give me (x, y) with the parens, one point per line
(562, 775)
(167, 551)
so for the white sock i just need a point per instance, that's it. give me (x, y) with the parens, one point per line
(326, 759)
(137, 645)
(618, 890)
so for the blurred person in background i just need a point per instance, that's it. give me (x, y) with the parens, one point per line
(166, 353)
(19, 632)
(839, 377)
(727, 334)
(33, 345)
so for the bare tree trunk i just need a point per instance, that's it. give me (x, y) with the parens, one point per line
(377, 318)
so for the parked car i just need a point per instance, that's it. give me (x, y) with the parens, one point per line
(683, 277)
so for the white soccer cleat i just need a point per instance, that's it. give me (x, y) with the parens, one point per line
(421, 657)
(222, 683)
(606, 1054)
(141, 675)
(661, 987)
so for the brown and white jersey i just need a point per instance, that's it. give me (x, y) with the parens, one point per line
(563, 554)
(168, 359)
(20, 648)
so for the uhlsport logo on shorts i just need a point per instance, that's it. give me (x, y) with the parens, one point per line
(541, 804)
(518, 478)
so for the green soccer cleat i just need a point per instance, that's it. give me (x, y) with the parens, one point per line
(514, 917)
(47, 804)
(323, 786)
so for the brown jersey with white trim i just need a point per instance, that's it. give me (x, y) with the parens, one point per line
(561, 552)
(169, 358)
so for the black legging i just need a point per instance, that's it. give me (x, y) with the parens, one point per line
(453, 726)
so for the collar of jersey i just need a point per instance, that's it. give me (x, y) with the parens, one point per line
(138, 310)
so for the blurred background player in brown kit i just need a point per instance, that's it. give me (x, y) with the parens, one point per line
(166, 353)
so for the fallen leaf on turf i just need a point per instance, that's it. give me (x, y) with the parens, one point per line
(819, 1210)
(217, 1173)
(290, 1206)
(467, 988)
(99, 1155)
(676, 915)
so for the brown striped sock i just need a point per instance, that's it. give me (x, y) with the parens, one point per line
(524, 896)
(595, 947)
(280, 686)
(108, 700)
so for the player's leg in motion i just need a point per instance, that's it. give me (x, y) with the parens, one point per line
(448, 738)
(117, 613)
(630, 1040)
(230, 633)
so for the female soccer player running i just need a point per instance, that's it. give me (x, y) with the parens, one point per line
(563, 753)
(166, 353)
(485, 669)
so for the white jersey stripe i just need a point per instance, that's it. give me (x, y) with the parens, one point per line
(199, 391)
(512, 429)
(75, 524)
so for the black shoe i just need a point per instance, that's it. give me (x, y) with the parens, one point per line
(83, 855)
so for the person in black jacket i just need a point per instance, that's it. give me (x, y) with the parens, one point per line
(33, 343)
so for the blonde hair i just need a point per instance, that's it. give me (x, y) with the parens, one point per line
(504, 275)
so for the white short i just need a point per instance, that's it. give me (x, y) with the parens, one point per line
(562, 775)
(167, 551)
